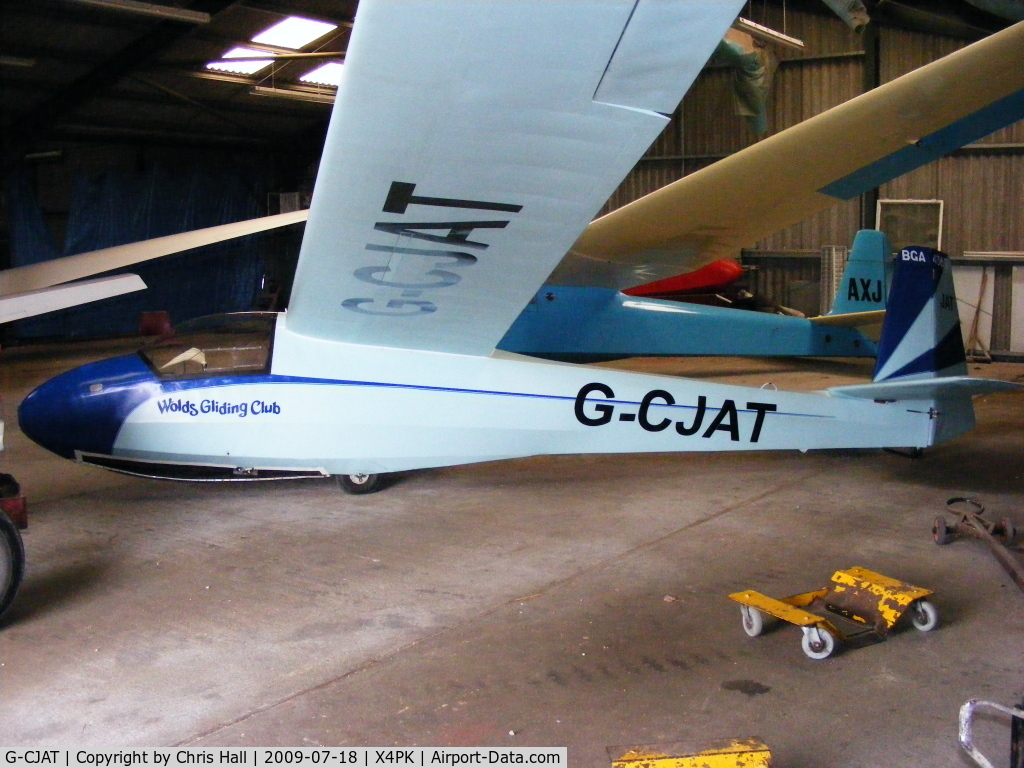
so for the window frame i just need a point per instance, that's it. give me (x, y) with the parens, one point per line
(264, 370)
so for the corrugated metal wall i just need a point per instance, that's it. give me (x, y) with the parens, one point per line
(791, 278)
(983, 188)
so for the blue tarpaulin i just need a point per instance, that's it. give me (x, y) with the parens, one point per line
(116, 207)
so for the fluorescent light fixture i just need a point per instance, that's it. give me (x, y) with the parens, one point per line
(149, 9)
(53, 154)
(294, 32)
(288, 93)
(241, 67)
(328, 74)
(16, 61)
(767, 34)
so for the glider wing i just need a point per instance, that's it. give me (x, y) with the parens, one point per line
(470, 145)
(833, 156)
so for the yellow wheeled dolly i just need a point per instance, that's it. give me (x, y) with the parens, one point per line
(858, 605)
(727, 753)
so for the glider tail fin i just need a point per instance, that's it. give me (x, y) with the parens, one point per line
(921, 354)
(921, 333)
(921, 359)
(864, 284)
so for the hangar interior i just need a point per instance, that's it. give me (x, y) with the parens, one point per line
(572, 601)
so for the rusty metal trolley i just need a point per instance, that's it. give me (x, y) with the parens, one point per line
(971, 523)
(859, 605)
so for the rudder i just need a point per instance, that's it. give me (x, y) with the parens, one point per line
(864, 284)
(921, 333)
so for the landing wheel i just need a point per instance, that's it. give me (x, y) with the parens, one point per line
(12, 561)
(753, 620)
(818, 643)
(359, 483)
(924, 615)
(941, 532)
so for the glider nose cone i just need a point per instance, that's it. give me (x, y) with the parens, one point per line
(83, 409)
(46, 415)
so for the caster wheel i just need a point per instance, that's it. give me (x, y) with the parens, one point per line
(924, 616)
(359, 483)
(753, 620)
(12, 561)
(818, 643)
(1009, 531)
(941, 532)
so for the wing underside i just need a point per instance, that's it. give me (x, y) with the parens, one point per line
(34, 277)
(17, 306)
(470, 145)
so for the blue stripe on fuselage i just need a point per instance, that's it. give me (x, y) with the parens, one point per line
(83, 410)
(178, 386)
(977, 125)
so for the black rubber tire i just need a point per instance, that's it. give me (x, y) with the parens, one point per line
(12, 562)
(941, 532)
(357, 484)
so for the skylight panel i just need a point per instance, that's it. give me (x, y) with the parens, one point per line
(328, 74)
(241, 67)
(294, 32)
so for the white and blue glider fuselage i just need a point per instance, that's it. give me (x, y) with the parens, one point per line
(335, 408)
(470, 145)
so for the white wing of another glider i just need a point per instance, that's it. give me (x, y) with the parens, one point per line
(470, 144)
(32, 277)
(18, 306)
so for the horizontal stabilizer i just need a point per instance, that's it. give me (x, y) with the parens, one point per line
(31, 303)
(851, 319)
(56, 271)
(926, 389)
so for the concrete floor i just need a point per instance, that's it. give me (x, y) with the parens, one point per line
(513, 603)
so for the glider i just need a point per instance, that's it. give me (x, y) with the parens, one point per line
(587, 323)
(470, 146)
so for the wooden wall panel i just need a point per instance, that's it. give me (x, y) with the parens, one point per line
(903, 50)
(710, 123)
(983, 199)
(644, 179)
